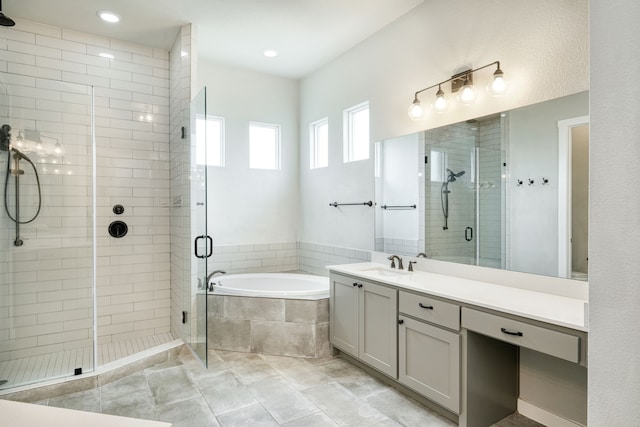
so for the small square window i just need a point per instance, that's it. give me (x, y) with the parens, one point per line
(356, 133)
(211, 132)
(264, 146)
(319, 144)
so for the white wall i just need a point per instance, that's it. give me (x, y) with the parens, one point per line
(540, 45)
(399, 182)
(614, 270)
(250, 205)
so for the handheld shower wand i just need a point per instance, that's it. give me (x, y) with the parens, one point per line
(444, 195)
(5, 145)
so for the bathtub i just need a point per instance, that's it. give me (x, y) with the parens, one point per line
(272, 285)
(270, 313)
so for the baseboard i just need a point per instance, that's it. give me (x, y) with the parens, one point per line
(544, 417)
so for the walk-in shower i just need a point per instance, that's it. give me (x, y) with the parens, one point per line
(444, 195)
(47, 280)
(15, 155)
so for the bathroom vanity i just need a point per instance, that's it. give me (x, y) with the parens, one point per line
(457, 342)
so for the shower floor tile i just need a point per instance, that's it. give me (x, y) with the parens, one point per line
(183, 392)
(62, 364)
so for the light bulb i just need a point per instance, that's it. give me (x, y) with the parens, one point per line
(467, 92)
(57, 149)
(440, 104)
(415, 110)
(498, 85)
(108, 16)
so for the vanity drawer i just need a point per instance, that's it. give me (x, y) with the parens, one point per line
(522, 334)
(429, 309)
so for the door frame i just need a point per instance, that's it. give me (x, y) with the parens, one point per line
(564, 192)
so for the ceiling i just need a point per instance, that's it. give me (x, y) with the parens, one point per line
(306, 33)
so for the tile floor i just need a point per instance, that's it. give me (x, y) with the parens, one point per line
(28, 370)
(244, 389)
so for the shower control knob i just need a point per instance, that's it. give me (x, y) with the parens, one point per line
(118, 229)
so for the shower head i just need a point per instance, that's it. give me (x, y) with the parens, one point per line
(5, 21)
(452, 175)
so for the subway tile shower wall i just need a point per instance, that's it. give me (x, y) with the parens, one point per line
(132, 154)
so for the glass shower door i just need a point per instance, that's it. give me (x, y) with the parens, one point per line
(195, 317)
(47, 230)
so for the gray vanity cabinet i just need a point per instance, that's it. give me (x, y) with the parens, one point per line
(429, 355)
(430, 362)
(363, 322)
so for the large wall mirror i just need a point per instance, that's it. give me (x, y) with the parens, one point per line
(505, 191)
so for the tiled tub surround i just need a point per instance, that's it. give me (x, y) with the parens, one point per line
(276, 326)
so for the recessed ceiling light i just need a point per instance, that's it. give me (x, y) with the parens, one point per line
(270, 53)
(109, 16)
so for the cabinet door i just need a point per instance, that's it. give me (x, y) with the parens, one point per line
(343, 322)
(378, 313)
(430, 362)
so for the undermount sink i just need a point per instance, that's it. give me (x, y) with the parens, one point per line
(386, 272)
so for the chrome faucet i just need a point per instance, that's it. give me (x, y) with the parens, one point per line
(393, 258)
(213, 273)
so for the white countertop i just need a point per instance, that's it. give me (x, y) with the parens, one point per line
(17, 414)
(544, 307)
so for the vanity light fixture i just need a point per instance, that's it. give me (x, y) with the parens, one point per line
(463, 84)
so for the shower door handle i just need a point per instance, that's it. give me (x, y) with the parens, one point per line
(209, 247)
(468, 234)
(195, 247)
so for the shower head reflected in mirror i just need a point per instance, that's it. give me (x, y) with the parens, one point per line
(5, 21)
(453, 176)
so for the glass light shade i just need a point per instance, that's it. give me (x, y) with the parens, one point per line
(440, 104)
(467, 94)
(416, 111)
(498, 84)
